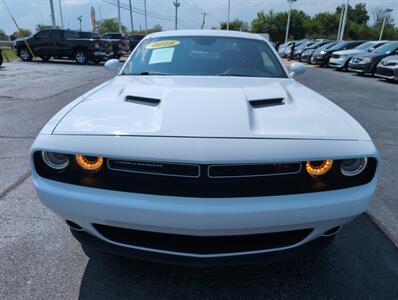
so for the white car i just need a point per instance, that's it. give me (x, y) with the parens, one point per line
(204, 150)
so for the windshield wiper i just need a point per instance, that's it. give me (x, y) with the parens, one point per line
(237, 75)
(149, 73)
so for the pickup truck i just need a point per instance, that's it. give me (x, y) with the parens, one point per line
(59, 43)
(120, 46)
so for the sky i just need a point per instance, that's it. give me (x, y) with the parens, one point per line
(29, 13)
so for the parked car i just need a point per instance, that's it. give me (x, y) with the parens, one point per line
(307, 53)
(322, 58)
(63, 44)
(204, 150)
(285, 49)
(388, 68)
(299, 49)
(366, 63)
(340, 59)
(134, 39)
(89, 35)
(120, 46)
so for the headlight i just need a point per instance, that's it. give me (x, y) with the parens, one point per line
(352, 167)
(56, 161)
(322, 52)
(89, 163)
(343, 56)
(366, 60)
(318, 168)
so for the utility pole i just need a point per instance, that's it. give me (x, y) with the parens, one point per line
(385, 13)
(60, 13)
(118, 15)
(146, 21)
(341, 20)
(52, 13)
(229, 11)
(288, 19)
(204, 19)
(344, 20)
(131, 16)
(177, 5)
(80, 22)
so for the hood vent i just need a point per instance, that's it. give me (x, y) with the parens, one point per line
(267, 102)
(142, 100)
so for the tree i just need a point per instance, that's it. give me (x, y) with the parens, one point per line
(236, 24)
(43, 26)
(378, 17)
(3, 36)
(23, 32)
(110, 25)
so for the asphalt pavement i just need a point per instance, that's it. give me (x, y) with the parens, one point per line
(39, 259)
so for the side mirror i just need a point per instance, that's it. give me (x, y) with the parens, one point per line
(297, 69)
(113, 65)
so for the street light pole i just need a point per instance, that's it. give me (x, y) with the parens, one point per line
(118, 15)
(385, 13)
(52, 13)
(60, 13)
(80, 22)
(177, 5)
(146, 21)
(131, 16)
(344, 20)
(288, 19)
(341, 20)
(229, 11)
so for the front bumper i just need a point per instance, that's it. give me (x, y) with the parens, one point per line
(337, 63)
(387, 73)
(204, 217)
(319, 60)
(102, 55)
(360, 68)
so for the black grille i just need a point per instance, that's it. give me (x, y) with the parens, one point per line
(218, 186)
(202, 244)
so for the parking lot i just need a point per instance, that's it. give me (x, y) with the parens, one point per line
(40, 259)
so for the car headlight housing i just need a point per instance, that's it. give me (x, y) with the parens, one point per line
(353, 167)
(322, 52)
(89, 163)
(318, 168)
(366, 60)
(54, 160)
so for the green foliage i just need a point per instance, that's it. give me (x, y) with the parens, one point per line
(236, 24)
(3, 36)
(43, 26)
(110, 25)
(23, 32)
(155, 28)
(323, 25)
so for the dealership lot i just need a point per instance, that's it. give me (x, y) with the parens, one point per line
(40, 259)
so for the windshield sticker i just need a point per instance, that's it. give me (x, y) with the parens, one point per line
(159, 56)
(163, 44)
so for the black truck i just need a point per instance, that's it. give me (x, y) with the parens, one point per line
(120, 46)
(59, 43)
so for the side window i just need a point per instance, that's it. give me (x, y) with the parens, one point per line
(54, 35)
(42, 34)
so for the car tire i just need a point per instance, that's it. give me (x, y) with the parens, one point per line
(45, 58)
(80, 56)
(25, 54)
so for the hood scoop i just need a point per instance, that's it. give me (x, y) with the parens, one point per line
(143, 100)
(267, 102)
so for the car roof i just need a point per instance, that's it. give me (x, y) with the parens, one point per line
(220, 33)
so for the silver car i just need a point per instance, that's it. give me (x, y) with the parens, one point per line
(340, 59)
(388, 68)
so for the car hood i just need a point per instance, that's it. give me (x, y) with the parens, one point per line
(207, 107)
(371, 54)
(350, 52)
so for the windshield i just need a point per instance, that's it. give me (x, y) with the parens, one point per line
(386, 48)
(337, 46)
(365, 46)
(204, 56)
